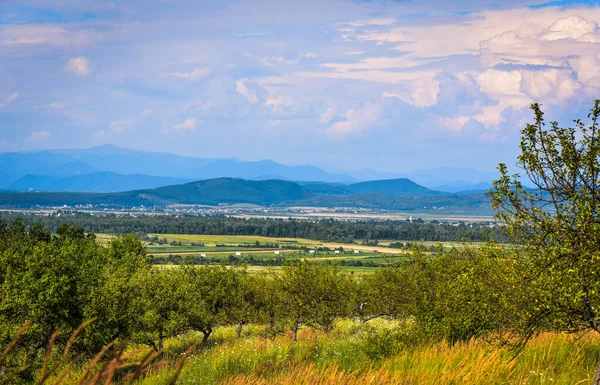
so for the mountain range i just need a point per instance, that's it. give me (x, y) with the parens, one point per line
(114, 169)
(393, 194)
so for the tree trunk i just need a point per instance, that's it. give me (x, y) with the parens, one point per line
(161, 342)
(206, 333)
(238, 332)
(596, 380)
(361, 312)
(295, 331)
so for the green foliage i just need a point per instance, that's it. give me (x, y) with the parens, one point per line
(557, 222)
(60, 282)
(314, 294)
(458, 295)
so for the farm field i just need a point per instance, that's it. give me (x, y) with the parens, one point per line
(271, 253)
(235, 240)
(234, 250)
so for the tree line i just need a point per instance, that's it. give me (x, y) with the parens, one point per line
(323, 230)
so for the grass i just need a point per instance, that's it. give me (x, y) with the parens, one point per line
(379, 352)
(354, 355)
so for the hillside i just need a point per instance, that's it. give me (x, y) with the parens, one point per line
(208, 192)
(213, 192)
(229, 190)
(392, 187)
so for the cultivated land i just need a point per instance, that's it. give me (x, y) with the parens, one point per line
(262, 258)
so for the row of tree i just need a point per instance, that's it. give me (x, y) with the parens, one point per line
(60, 281)
(323, 230)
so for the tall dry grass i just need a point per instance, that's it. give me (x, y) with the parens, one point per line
(548, 359)
(111, 365)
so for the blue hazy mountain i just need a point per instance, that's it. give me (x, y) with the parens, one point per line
(108, 158)
(102, 181)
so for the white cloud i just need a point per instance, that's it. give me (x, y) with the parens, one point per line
(356, 120)
(422, 93)
(41, 34)
(496, 82)
(80, 66)
(195, 74)
(189, 125)
(455, 124)
(384, 77)
(370, 22)
(327, 116)
(120, 126)
(551, 85)
(571, 27)
(240, 87)
(378, 63)
(75, 114)
(37, 136)
(10, 98)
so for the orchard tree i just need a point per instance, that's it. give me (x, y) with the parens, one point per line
(557, 223)
(315, 294)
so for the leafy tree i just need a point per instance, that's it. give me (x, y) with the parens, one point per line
(210, 296)
(115, 299)
(557, 222)
(383, 293)
(460, 294)
(315, 294)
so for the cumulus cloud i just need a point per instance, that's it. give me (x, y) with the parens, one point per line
(421, 93)
(37, 136)
(552, 58)
(356, 120)
(327, 116)
(121, 126)
(10, 98)
(195, 74)
(251, 95)
(80, 66)
(189, 125)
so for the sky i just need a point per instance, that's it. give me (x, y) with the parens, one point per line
(345, 85)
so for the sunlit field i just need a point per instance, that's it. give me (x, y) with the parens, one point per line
(378, 354)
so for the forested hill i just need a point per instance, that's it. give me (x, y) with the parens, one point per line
(399, 194)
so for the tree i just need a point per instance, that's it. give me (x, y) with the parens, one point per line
(383, 293)
(557, 223)
(315, 294)
(210, 296)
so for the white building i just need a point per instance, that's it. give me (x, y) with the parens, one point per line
(337, 251)
(203, 255)
(239, 254)
(311, 251)
(356, 251)
(276, 252)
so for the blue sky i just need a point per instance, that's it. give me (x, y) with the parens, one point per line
(389, 85)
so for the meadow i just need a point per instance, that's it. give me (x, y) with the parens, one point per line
(378, 353)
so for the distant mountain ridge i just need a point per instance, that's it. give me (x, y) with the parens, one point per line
(108, 158)
(110, 168)
(102, 181)
(399, 194)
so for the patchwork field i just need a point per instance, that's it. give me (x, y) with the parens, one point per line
(263, 253)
